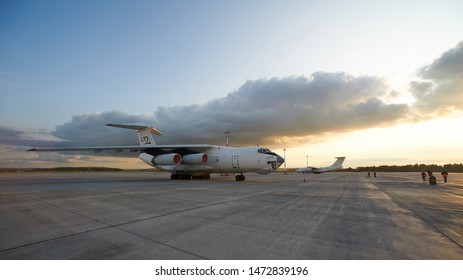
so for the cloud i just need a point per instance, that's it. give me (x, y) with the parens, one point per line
(440, 90)
(266, 110)
(14, 137)
(9, 136)
(448, 66)
(90, 129)
(13, 145)
(275, 111)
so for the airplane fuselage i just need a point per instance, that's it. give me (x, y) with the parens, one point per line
(318, 170)
(217, 159)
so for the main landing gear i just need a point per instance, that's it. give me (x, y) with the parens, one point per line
(183, 176)
(180, 176)
(240, 177)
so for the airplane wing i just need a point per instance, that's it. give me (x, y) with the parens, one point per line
(132, 149)
(89, 149)
(146, 141)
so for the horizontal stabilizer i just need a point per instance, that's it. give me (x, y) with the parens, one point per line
(137, 127)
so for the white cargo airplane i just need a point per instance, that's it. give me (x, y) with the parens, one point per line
(188, 161)
(317, 170)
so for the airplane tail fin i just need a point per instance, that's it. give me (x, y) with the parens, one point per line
(339, 161)
(145, 133)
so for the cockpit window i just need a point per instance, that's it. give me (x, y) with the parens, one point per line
(265, 151)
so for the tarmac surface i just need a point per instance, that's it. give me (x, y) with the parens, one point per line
(147, 216)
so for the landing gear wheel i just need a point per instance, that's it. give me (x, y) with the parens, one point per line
(240, 177)
(202, 177)
(180, 176)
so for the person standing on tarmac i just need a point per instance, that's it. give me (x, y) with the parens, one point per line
(432, 178)
(444, 175)
(423, 176)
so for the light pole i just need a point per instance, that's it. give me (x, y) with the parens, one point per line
(284, 157)
(307, 160)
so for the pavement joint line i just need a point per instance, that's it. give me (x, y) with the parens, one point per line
(417, 215)
(83, 232)
(389, 231)
(455, 195)
(50, 239)
(117, 226)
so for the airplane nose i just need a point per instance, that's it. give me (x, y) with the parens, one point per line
(280, 160)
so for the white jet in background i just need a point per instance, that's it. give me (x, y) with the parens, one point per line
(317, 170)
(197, 161)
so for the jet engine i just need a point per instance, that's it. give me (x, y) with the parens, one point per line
(195, 158)
(167, 159)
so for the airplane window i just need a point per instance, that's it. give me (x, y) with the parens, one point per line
(264, 151)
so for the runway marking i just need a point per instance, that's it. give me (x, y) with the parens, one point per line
(455, 195)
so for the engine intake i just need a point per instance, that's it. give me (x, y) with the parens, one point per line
(167, 159)
(195, 158)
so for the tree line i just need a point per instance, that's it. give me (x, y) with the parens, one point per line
(62, 169)
(455, 167)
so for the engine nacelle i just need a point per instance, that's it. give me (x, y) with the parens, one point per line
(195, 158)
(167, 159)
(146, 158)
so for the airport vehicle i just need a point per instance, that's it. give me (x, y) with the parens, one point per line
(317, 170)
(190, 161)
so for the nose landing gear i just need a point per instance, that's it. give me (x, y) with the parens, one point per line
(240, 177)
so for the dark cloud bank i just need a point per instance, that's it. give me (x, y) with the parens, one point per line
(279, 110)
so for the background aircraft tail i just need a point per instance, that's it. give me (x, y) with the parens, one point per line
(145, 133)
(339, 161)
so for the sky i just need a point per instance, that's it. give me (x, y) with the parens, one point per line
(380, 82)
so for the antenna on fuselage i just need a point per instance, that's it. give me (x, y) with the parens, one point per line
(227, 133)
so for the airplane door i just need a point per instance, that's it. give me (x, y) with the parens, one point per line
(235, 162)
